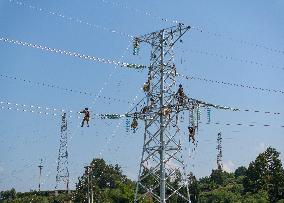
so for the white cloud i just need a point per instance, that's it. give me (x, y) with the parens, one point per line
(229, 166)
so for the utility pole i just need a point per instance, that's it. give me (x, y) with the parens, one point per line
(40, 169)
(62, 162)
(88, 180)
(90, 192)
(219, 150)
(162, 161)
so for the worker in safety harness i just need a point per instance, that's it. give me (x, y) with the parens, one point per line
(180, 94)
(191, 132)
(146, 86)
(86, 117)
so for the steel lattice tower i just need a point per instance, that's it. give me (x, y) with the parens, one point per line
(162, 149)
(160, 175)
(62, 162)
(219, 149)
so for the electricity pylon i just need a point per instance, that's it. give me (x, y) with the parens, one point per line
(62, 162)
(219, 150)
(160, 177)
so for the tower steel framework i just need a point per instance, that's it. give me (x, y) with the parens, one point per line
(160, 175)
(62, 176)
(161, 149)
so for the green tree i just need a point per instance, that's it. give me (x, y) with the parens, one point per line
(194, 188)
(240, 171)
(7, 195)
(265, 173)
(108, 184)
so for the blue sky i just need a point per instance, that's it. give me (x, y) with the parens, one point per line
(27, 137)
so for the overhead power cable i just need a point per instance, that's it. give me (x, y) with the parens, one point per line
(53, 111)
(239, 41)
(74, 19)
(97, 26)
(242, 124)
(56, 111)
(231, 84)
(35, 109)
(149, 14)
(69, 18)
(74, 54)
(247, 61)
(121, 100)
(98, 95)
(43, 84)
(194, 27)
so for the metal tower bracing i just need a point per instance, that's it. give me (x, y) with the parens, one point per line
(219, 155)
(162, 175)
(161, 149)
(62, 177)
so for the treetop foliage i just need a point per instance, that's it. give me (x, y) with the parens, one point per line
(262, 181)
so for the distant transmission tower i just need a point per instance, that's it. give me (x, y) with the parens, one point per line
(219, 155)
(40, 170)
(62, 162)
(162, 163)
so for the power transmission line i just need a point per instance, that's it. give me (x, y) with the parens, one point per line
(70, 90)
(86, 93)
(246, 61)
(57, 111)
(241, 124)
(239, 41)
(74, 54)
(117, 116)
(97, 26)
(53, 111)
(195, 27)
(111, 74)
(231, 84)
(71, 19)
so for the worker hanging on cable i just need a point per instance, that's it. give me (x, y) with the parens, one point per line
(180, 95)
(86, 117)
(191, 133)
